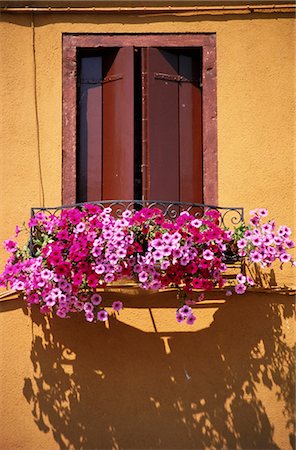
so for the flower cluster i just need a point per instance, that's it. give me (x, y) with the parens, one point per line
(262, 243)
(74, 254)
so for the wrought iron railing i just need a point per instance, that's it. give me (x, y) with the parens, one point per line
(229, 216)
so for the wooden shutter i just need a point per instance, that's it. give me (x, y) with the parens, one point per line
(118, 124)
(89, 158)
(105, 160)
(172, 126)
(190, 130)
(160, 120)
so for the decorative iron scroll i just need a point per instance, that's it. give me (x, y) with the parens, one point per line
(229, 216)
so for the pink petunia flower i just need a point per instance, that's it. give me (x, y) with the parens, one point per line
(80, 227)
(240, 288)
(262, 212)
(61, 313)
(191, 319)
(185, 310)
(241, 243)
(10, 246)
(208, 255)
(88, 307)
(285, 257)
(109, 277)
(89, 316)
(117, 305)
(96, 299)
(255, 256)
(179, 317)
(241, 278)
(102, 315)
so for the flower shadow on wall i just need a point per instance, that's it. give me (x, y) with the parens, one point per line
(119, 388)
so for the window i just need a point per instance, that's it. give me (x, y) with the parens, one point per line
(142, 123)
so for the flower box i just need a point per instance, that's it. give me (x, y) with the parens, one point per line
(73, 251)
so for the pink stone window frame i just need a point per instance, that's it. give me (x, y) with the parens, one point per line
(71, 43)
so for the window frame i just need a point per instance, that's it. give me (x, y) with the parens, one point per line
(70, 45)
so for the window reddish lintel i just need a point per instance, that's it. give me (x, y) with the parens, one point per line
(209, 79)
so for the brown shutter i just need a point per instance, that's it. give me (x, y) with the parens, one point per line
(118, 124)
(190, 122)
(160, 125)
(172, 125)
(89, 158)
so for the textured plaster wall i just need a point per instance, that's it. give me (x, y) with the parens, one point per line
(226, 383)
(256, 108)
(145, 381)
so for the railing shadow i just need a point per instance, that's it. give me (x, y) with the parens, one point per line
(97, 388)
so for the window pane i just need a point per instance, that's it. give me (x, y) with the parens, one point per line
(89, 158)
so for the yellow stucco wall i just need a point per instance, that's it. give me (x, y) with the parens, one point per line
(228, 381)
(256, 108)
(147, 382)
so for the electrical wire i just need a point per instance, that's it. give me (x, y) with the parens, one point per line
(36, 111)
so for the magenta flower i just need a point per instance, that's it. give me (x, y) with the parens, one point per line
(255, 221)
(241, 278)
(33, 298)
(96, 299)
(93, 281)
(285, 257)
(80, 227)
(241, 243)
(61, 313)
(44, 309)
(190, 302)
(157, 255)
(100, 269)
(196, 223)
(240, 288)
(89, 316)
(208, 255)
(256, 240)
(121, 253)
(187, 253)
(177, 253)
(262, 212)
(10, 246)
(165, 265)
(255, 256)
(88, 307)
(191, 319)
(290, 243)
(185, 310)
(126, 214)
(19, 286)
(117, 306)
(50, 300)
(46, 274)
(179, 317)
(109, 277)
(102, 315)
